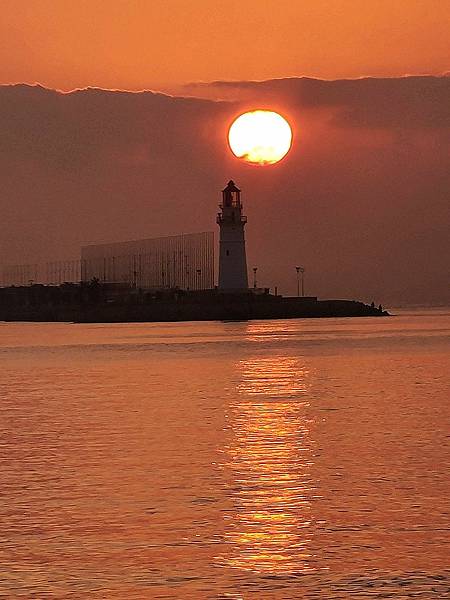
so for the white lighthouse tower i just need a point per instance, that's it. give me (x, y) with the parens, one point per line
(232, 259)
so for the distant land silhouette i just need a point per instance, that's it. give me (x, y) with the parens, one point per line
(361, 200)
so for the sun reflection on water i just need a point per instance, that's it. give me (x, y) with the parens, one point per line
(268, 529)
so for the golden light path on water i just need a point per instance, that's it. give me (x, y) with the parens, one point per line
(261, 137)
(268, 531)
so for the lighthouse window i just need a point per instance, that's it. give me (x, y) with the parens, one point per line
(228, 253)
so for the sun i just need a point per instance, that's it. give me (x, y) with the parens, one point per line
(260, 137)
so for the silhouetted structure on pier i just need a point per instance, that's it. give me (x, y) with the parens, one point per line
(233, 275)
(183, 261)
(162, 279)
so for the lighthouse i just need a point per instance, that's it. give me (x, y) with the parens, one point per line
(232, 259)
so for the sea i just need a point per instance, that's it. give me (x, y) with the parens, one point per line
(280, 459)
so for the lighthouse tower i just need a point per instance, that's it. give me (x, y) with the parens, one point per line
(232, 259)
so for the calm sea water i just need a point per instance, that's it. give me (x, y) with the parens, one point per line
(251, 460)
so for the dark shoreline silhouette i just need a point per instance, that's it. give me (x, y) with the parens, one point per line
(94, 302)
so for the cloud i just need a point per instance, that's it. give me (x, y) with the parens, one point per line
(406, 102)
(361, 200)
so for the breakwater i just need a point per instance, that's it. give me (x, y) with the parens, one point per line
(103, 303)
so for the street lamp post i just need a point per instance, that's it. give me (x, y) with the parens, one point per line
(300, 271)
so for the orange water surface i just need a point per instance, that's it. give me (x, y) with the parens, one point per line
(261, 460)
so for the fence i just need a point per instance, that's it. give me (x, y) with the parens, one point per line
(49, 273)
(184, 261)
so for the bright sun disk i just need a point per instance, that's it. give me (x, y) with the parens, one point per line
(261, 137)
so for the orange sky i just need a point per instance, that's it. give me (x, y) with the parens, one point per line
(136, 44)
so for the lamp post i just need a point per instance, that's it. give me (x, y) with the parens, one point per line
(300, 270)
(254, 277)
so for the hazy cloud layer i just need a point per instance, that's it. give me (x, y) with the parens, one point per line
(362, 200)
(409, 102)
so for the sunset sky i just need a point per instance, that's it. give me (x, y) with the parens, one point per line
(146, 44)
(361, 200)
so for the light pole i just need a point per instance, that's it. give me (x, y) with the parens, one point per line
(300, 270)
(254, 277)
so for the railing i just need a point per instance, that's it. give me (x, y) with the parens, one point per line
(221, 218)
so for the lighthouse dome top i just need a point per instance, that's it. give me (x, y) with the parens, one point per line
(231, 187)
